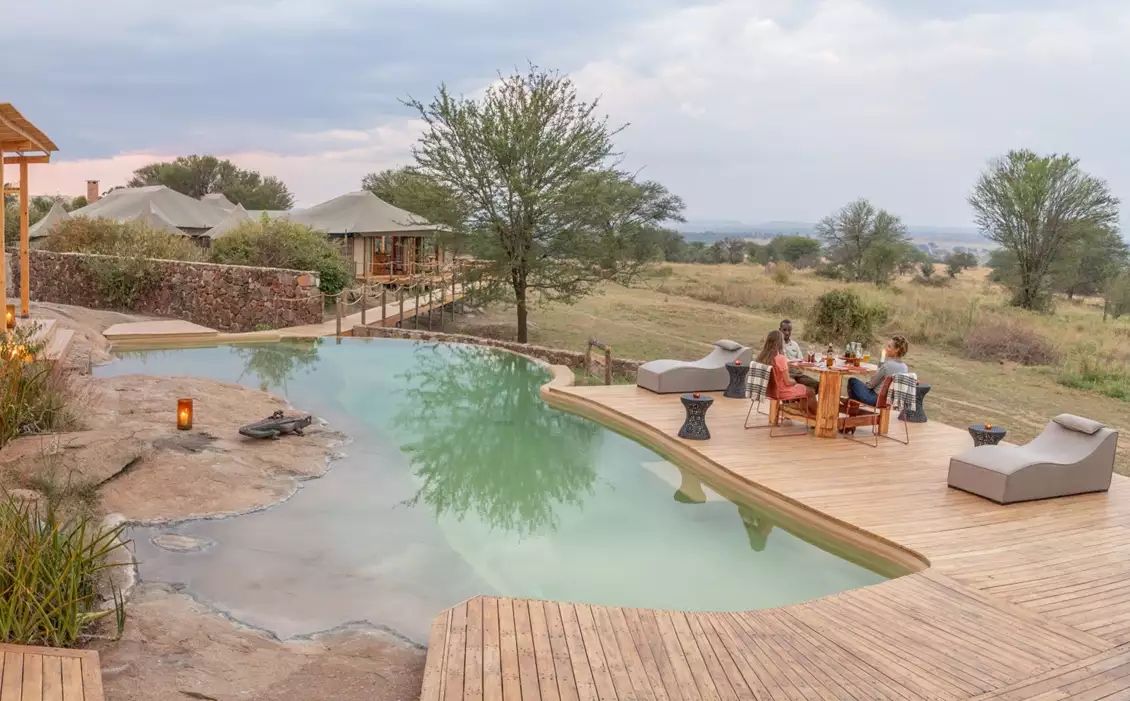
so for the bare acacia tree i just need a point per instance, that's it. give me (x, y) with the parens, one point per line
(532, 165)
(1034, 206)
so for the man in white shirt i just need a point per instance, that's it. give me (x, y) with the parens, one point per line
(793, 352)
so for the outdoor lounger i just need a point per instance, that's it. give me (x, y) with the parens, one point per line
(706, 375)
(1073, 455)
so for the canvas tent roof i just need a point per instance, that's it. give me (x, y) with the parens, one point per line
(180, 211)
(151, 215)
(218, 199)
(237, 216)
(55, 216)
(361, 212)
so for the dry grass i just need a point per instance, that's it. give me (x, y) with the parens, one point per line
(678, 312)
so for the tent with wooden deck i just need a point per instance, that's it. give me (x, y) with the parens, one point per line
(385, 242)
(21, 144)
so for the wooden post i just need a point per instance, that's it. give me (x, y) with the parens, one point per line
(364, 303)
(452, 296)
(431, 303)
(337, 311)
(384, 302)
(608, 365)
(3, 245)
(25, 256)
(416, 316)
(400, 324)
(588, 360)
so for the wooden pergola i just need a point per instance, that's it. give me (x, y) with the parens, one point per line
(22, 144)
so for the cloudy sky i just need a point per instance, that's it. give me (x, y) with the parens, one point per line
(750, 109)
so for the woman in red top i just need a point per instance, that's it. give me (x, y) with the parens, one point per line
(785, 387)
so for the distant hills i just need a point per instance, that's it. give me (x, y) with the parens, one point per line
(711, 230)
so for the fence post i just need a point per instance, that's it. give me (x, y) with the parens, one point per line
(400, 324)
(452, 296)
(416, 315)
(364, 300)
(338, 315)
(384, 301)
(608, 365)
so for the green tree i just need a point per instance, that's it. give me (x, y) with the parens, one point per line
(798, 251)
(928, 269)
(959, 261)
(279, 243)
(865, 243)
(734, 250)
(530, 161)
(275, 363)
(1033, 206)
(1089, 261)
(197, 176)
(672, 246)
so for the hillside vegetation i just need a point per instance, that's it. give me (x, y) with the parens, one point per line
(966, 341)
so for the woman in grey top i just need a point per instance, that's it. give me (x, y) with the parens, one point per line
(866, 392)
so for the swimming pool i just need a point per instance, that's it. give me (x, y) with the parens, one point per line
(460, 481)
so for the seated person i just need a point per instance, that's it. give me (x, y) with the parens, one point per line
(787, 389)
(866, 392)
(793, 352)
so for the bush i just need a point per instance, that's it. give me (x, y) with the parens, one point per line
(782, 273)
(1089, 375)
(1004, 339)
(129, 273)
(34, 394)
(840, 316)
(53, 565)
(278, 243)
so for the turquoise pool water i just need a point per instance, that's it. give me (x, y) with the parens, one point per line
(460, 481)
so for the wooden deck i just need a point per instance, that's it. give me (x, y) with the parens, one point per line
(48, 674)
(1027, 601)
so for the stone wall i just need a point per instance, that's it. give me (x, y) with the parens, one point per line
(553, 356)
(231, 298)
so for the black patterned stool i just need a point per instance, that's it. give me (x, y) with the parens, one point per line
(694, 428)
(736, 388)
(918, 416)
(986, 436)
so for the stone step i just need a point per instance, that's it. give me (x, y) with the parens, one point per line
(58, 346)
(44, 332)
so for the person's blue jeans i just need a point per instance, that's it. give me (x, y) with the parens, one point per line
(859, 391)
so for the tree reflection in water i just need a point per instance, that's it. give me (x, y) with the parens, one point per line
(485, 443)
(274, 364)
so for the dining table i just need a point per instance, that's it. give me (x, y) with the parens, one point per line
(830, 390)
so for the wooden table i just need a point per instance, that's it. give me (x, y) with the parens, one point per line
(831, 385)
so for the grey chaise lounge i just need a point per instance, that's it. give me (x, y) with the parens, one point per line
(1073, 455)
(706, 375)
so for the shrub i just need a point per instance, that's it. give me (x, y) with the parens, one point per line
(840, 316)
(1005, 339)
(1091, 376)
(278, 243)
(53, 565)
(34, 394)
(782, 273)
(129, 273)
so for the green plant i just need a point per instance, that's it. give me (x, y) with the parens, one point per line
(278, 243)
(1088, 374)
(34, 394)
(51, 566)
(840, 316)
(782, 273)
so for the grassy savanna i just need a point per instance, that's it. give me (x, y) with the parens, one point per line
(677, 311)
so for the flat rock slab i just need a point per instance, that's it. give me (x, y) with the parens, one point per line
(181, 543)
(158, 330)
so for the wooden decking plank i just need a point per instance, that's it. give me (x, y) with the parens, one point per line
(1058, 678)
(612, 626)
(684, 676)
(543, 652)
(473, 651)
(529, 681)
(697, 661)
(733, 645)
(760, 631)
(432, 689)
(659, 651)
(453, 688)
(594, 650)
(492, 651)
(631, 621)
(53, 679)
(32, 689)
(566, 682)
(772, 678)
(823, 672)
(582, 670)
(72, 679)
(11, 683)
(720, 665)
(92, 676)
(508, 638)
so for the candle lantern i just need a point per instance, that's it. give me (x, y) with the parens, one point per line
(10, 316)
(184, 414)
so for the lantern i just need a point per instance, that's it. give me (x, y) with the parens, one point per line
(10, 316)
(184, 414)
